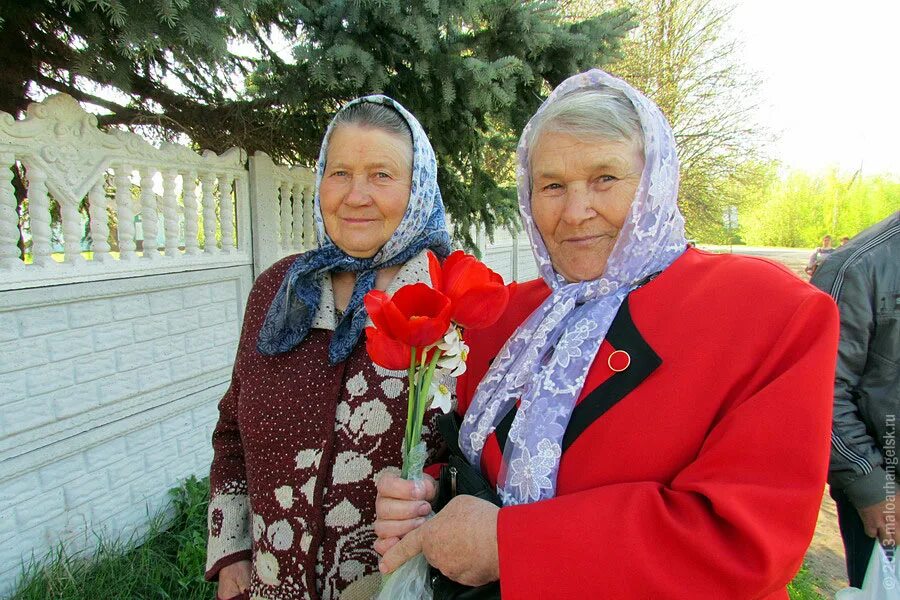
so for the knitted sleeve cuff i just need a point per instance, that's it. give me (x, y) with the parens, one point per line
(228, 519)
(212, 573)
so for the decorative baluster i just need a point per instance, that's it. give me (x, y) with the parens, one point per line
(286, 225)
(99, 220)
(309, 226)
(298, 216)
(189, 195)
(9, 216)
(72, 230)
(170, 212)
(39, 215)
(209, 213)
(226, 212)
(125, 212)
(241, 198)
(149, 213)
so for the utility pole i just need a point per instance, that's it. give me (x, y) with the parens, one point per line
(834, 210)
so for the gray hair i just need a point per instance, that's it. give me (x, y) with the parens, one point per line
(375, 116)
(605, 114)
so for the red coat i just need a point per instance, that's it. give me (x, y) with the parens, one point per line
(699, 470)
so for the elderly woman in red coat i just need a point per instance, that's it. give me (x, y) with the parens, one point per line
(655, 419)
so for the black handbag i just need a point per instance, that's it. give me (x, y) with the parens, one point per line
(459, 477)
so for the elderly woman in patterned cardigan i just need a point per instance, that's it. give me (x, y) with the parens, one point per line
(308, 421)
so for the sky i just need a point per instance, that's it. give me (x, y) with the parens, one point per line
(830, 73)
(831, 79)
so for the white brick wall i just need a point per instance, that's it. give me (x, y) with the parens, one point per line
(108, 396)
(110, 488)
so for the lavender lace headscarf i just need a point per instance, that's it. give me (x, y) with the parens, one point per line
(545, 362)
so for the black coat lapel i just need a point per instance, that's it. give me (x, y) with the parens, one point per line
(622, 335)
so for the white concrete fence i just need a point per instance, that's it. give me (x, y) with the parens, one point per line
(118, 334)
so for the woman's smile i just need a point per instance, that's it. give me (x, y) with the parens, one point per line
(585, 240)
(358, 221)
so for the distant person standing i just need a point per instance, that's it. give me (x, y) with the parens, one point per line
(844, 240)
(863, 277)
(819, 256)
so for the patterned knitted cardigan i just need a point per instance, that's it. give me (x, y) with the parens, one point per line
(297, 448)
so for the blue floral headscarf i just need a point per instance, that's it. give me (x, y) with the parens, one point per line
(545, 363)
(423, 227)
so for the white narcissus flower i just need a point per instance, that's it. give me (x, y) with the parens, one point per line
(455, 352)
(440, 396)
(455, 365)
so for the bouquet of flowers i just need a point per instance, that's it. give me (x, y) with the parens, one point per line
(420, 329)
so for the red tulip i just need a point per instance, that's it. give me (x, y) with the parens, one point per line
(417, 315)
(477, 293)
(386, 351)
(435, 270)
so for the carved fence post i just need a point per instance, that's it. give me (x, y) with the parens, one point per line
(9, 216)
(149, 214)
(39, 214)
(208, 180)
(309, 226)
(264, 211)
(286, 215)
(244, 213)
(125, 210)
(99, 221)
(71, 222)
(226, 212)
(170, 212)
(298, 223)
(191, 212)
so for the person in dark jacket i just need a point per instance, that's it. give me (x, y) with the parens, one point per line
(863, 276)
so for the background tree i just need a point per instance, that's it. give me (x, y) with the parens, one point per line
(682, 56)
(799, 208)
(219, 71)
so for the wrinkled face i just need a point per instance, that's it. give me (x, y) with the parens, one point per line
(365, 187)
(581, 194)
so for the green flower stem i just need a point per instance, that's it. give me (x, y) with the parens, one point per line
(422, 400)
(419, 386)
(410, 411)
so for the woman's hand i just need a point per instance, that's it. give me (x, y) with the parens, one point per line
(460, 541)
(400, 507)
(233, 580)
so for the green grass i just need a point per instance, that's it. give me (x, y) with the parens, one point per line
(804, 586)
(168, 564)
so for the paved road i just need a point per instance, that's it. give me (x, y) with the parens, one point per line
(794, 258)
